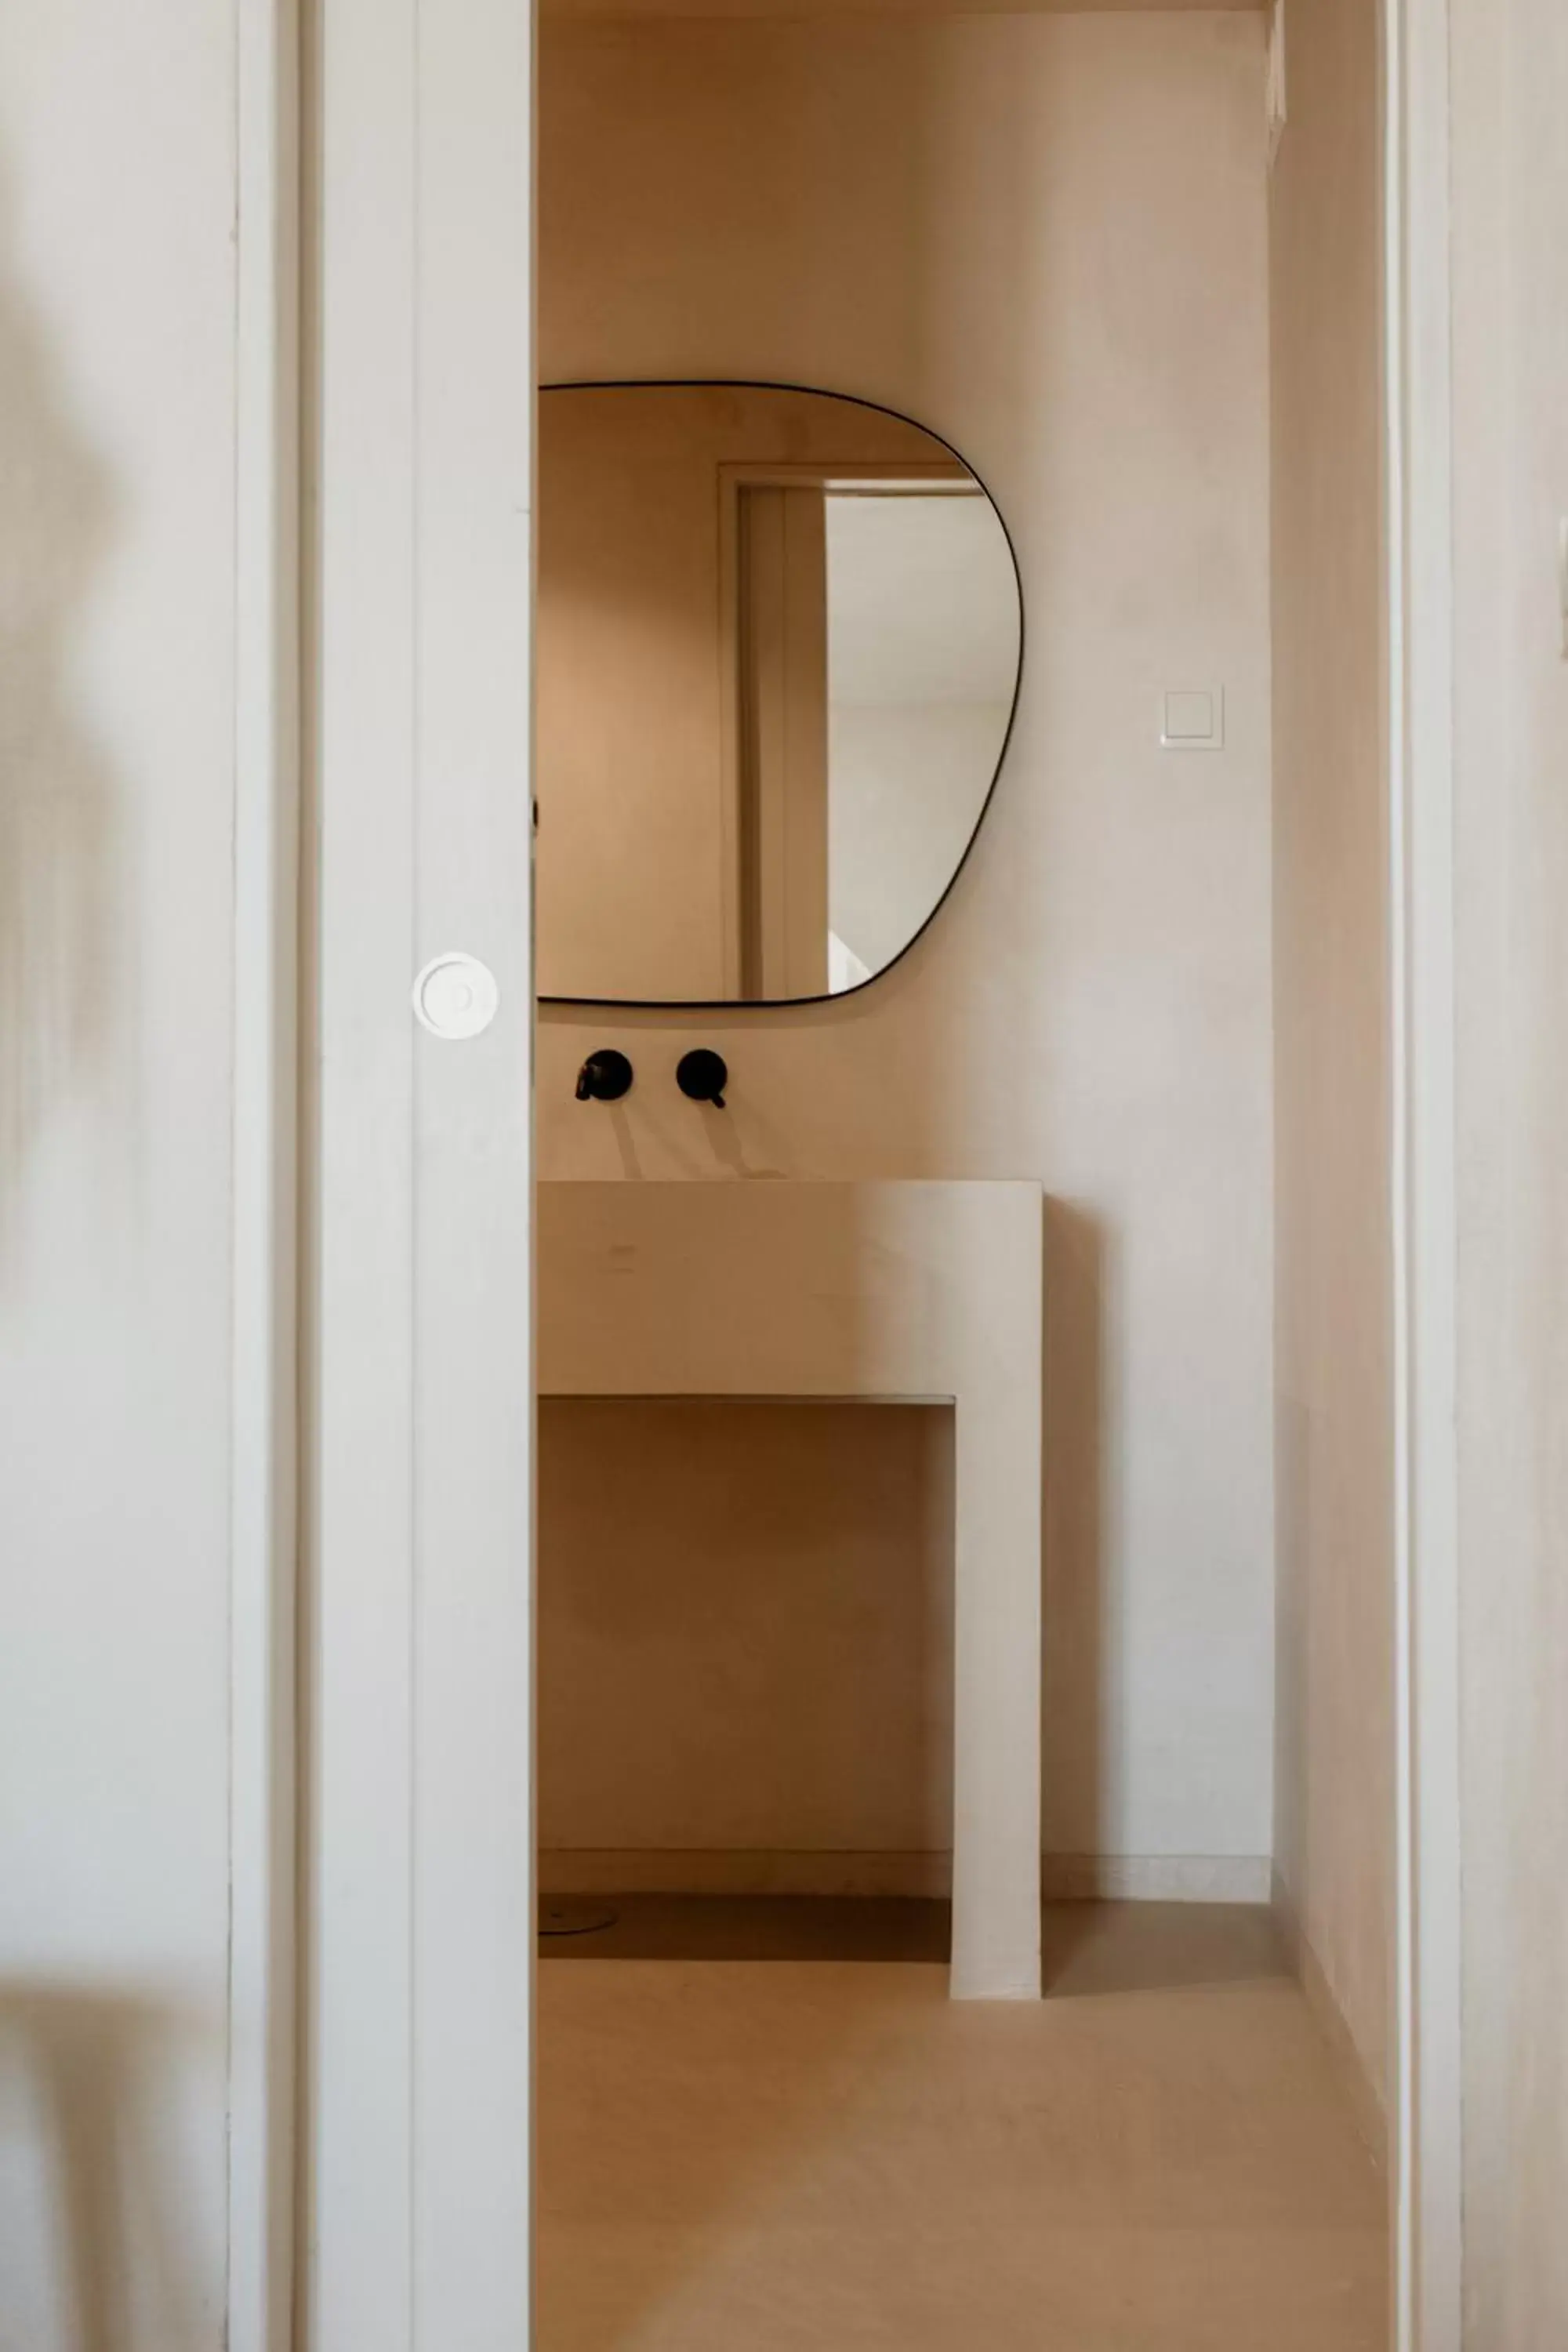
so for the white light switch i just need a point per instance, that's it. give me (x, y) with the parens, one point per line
(1193, 718)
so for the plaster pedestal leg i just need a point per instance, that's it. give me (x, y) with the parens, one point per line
(997, 1707)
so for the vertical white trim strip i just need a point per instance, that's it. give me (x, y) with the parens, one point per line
(418, 1768)
(266, 881)
(359, 1878)
(472, 1930)
(1418, 307)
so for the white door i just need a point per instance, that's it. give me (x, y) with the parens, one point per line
(418, 1624)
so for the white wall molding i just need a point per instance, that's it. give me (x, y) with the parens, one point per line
(716, 1870)
(1157, 1877)
(1418, 302)
(1064, 1878)
(264, 1557)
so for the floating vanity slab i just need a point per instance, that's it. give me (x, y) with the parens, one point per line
(904, 1292)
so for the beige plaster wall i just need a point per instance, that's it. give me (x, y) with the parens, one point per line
(1334, 1431)
(1046, 236)
(822, 1675)
(1511, 355)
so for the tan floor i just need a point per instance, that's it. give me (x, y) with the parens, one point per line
(767, 2157)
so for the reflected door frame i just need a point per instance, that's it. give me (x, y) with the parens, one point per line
(775, 692)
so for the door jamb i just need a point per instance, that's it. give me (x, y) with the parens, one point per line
(264, 1536)
(268, 1075)
(1418, 605)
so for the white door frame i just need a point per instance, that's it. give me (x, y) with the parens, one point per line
(1417, 300)
(397, 1598)
(414, 73)
(417, 1866)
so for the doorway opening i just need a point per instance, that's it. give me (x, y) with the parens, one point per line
(1077, 254)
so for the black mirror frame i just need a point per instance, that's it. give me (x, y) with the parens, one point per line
(742, 1004)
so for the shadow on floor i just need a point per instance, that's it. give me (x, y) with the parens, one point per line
(1089, 1947)
(783, 2157)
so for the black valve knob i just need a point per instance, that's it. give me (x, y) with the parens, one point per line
(604, 1077)
(702, 1075)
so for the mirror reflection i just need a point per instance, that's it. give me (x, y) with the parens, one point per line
(778, 647)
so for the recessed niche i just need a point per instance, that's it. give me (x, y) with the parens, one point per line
(746, 1645)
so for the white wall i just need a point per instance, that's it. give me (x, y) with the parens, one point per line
(117, 297)
(1511, 359)
(1045, 236)
(1333, 1358)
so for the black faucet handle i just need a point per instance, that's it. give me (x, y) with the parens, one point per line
(702, 1075)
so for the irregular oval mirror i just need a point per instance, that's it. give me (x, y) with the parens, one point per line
(779, 637)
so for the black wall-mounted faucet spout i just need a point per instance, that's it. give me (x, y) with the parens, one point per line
(604, 1077)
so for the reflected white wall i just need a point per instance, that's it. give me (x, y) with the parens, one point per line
(923, 655)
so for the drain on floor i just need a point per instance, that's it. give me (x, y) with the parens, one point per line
(562, 1916)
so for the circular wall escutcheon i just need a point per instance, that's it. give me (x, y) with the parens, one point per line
(456, 996)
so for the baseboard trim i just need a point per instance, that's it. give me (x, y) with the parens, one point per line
(1366, 2098)
(1156, 1877)
(721, 1871)
(1066, 1877)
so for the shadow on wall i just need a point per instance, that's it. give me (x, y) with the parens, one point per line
(96, 2231)
(59, 983)
(1074, 1743)
(1297, 1490)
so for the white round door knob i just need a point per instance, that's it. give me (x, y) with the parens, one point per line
(456, 996)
